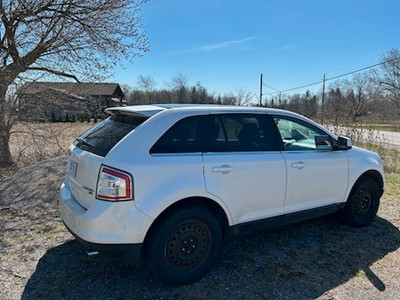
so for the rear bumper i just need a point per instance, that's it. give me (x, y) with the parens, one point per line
(117, 228)
(128, 252)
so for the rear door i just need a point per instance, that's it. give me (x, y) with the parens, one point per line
(315, 178)
(243, 165)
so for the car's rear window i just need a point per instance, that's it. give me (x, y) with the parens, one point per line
(101, 138)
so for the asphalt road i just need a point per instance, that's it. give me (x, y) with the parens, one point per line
(387, 138)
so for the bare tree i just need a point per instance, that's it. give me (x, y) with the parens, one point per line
(389, 79)
(358, 95)
(127, 89)
(148, 84)
(179, 84)
(75, 39)
(243, 97)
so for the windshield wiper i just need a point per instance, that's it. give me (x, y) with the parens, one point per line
(81, 141)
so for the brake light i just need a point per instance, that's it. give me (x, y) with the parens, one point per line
(114, 185)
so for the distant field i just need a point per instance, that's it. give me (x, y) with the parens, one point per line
(385, 126)
(33, 142)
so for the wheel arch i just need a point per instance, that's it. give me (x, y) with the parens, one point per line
(373, 174)
(218, 212)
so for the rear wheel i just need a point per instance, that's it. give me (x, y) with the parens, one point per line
(363, 203)
(184, 245)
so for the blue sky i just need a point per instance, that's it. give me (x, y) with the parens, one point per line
(227, 44)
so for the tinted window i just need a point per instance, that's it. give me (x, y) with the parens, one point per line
(105, 135)
(242, 132)
(296, 134)
(185, 136)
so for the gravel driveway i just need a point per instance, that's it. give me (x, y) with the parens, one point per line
(322, 259)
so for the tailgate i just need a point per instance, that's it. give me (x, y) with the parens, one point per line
(83, 170)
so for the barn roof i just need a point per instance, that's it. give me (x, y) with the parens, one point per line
(83, 89)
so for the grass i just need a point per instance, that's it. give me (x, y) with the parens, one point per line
(393, 185)
(390, 157)
(33, 142)
(384, 126)
(39, 229)
(23, 239)
(363, 135)
(390, 125)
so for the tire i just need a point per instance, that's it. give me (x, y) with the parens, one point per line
(184, 245)
(362, 204)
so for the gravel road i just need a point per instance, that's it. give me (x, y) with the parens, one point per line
(320, 259)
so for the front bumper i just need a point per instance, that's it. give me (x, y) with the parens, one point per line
(108, 227)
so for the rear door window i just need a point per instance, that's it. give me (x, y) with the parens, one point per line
(242, 132)
(101, 138)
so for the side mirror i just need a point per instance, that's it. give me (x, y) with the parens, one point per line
(323, 142)
(344, 143)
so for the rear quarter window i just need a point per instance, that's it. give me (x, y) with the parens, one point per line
(101, 138)
(185, 136)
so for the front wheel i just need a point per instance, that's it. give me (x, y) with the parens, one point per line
(184, 245)
(363, 203)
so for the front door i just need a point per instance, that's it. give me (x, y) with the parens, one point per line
(315, 178)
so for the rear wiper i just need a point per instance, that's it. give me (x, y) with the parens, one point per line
(81, 141)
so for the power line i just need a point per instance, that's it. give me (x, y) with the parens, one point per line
(270, 87)
(332, 78)
(352, 65)
(362, 69)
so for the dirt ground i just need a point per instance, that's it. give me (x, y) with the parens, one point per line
(320, 258)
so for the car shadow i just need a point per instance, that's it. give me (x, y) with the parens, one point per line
(298, 261)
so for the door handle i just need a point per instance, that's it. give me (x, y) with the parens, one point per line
(224, 169)
(298, 165)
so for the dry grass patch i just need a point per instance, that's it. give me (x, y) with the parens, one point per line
(33, 142)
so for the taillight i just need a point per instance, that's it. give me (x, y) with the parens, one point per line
(114, 185)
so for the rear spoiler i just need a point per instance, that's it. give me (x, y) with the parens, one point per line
(138, 110)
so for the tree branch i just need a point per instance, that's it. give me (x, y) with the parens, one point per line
(59, 73)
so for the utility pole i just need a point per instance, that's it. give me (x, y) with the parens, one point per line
(261, 87)
(323, 100)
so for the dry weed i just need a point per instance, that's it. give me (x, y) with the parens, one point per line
(33, 142)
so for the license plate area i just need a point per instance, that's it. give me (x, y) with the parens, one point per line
(73, 168)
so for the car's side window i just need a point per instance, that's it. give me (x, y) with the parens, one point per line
(296, 134)
(184, 136)
(241, 132)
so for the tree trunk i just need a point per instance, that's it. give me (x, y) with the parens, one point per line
(5, 131)
(5, 154)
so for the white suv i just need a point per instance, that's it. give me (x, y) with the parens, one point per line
(169, 182)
